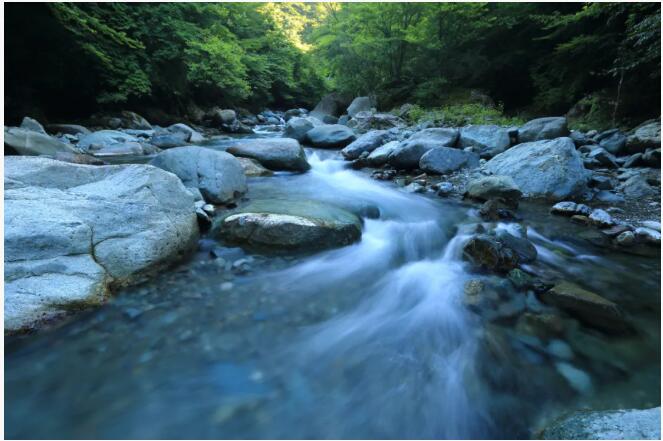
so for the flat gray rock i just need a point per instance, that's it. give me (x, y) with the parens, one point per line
(290, 225)
(274, 153)
(29, 142)
(330, 136)
(543, 128)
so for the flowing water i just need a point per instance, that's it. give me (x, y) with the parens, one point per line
(371, 340)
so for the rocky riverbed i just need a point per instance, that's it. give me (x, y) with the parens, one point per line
(299, 275)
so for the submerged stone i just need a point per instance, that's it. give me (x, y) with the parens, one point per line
(290, 225)
(586, 305)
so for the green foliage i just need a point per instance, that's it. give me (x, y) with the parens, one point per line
(594, 113)
(174, 53)
(544, 56)
(455, 115)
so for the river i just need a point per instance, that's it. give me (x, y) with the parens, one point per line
(371, 340)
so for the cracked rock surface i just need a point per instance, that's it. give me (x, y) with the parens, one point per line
(74, 231)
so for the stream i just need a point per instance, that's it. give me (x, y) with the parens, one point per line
(371, 340)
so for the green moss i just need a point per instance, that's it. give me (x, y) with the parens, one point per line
(462, 114)
(591, 113)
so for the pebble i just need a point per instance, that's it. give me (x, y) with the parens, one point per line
(560, 349)
(226, 286)
(565, 208)
(625, 239)
(208, 208)
(601, 218)
(652, 225)
(577, 379)
(415, 187)
(445, 188)
(648, 235)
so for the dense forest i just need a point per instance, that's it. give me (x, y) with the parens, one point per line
(72, 59)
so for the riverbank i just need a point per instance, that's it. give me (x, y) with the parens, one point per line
(259, 328)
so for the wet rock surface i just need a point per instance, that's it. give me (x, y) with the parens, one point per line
(607, 424)
(275, 154)
(301, 225)
(107, 225)
(251, 326)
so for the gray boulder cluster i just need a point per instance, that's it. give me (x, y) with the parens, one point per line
(539, 156)
(113, 225)
(128, 134)
(544, 159)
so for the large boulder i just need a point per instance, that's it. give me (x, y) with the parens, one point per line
(332, 104)
(290, 225)
(443, 160)
(486, 140)
(298, 127)
(550, 169)
(105, 226)
(543, 128)
(360, 104)
(330, 136)
(607, 424)
(29, 142)
(193, 135)
(32, 124)
(274, 153)
(644, 136)
(218, 175)
(366, 143)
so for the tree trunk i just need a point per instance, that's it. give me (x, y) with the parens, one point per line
(619, 93)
